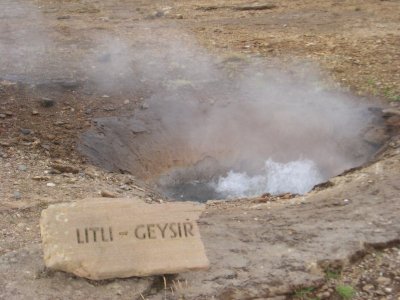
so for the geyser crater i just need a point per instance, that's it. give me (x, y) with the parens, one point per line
(263, 132)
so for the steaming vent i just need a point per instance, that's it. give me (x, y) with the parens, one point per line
(261, 132)
(215, 129)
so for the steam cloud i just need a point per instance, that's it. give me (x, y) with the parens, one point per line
(230, 128)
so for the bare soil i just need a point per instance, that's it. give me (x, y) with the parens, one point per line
(347, 232)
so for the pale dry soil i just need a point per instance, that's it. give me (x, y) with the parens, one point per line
(303, 247)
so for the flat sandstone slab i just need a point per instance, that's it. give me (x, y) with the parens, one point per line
(108, 238)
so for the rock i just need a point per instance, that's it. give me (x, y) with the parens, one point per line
(51, 184)
(383, 280)
(104, 238)
(324, 295)
(109, 108)
(5, 143)
(156, 14)
(64, 17)
(35, 112)
(22, 167)
(64, 168)
(108, 194)
(254, 7)
(41, 178)
(46, 102)
(368, 287)
(17, 195)
(9, 113)
(25, 131)
(50, 137)
(2, 116)
(388, 290)
(393, 121)
(376, 136)
(144, 106)
(391, 112)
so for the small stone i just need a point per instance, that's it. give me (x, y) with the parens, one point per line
(17, 195)
(383, 280)
(46, 102)
(380, 293)
(179, 16)
(41, 178)
(391, 112)
(5, 143)
(368, 287)
(126, 101)
(54, 171)
(388, 290)
(64, 17)
(45, 146)
(2, 116)
(157, 14)
(324, 295)
(108, 194)
(51, 184)
(109, 108)
(9, 113)
(144, 106)
(22, 167)
(65, 168)
(59, 123)
(50, 137)
(25, 131)
(376, 135)
(35, 112)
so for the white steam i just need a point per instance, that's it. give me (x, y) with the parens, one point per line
(297, 177)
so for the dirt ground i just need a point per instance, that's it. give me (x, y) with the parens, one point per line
(343, 235)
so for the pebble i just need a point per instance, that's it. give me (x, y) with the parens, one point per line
(22, 168)
(144, 106)
(5, 143)
(2, 116)
(388, 290)
(368, 287)
(17, 195)
(51, 184)
(108, 194)
(25, 131)
(46, 102)
(65, 168)
(324, 295)
(40, 178)
(383, 280)
(35, 112)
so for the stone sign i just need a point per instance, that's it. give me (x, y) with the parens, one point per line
(108, 238)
